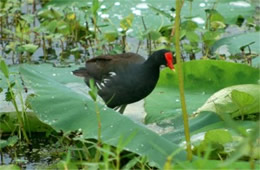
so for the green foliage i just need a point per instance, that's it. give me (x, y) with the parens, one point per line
(95, 7)
(215, 140)
(111, 36)
(76, 29)
(91, 25)
(4, 68)
(218, 136)
(9, 142)
(9, 121)
(210, 37)
(9, 95)
(189, 25)
(10, 167)
(211, 164)
(165, 8)
(30, 48)
(126, 22)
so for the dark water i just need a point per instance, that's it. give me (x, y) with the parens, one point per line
(42, 152)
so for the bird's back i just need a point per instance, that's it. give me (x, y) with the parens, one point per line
(99, 67)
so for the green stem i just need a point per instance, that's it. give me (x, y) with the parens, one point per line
(19, 114)
(251, 160)
(95, 29)
(118, 159)
(97, 156)
(190, 8)
(99, 123)
(180, 77)
(45, 54)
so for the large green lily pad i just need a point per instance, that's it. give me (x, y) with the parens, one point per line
(201, 78)
(65, 110)
(233, 43)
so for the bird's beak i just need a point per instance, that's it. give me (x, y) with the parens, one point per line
(169, 60)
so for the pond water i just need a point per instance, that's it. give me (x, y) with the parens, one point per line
(41, 152)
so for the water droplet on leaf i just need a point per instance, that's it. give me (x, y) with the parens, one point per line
(142, 6)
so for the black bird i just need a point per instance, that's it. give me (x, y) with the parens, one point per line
(125, 78)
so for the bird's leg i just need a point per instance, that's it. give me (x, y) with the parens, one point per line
(122, 108)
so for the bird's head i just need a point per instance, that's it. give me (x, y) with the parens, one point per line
(164, 57)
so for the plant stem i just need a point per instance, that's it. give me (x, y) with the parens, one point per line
(251, 151)
(95, 29)
(99, 123)
(19, 114)
(138, 47)
(97, 156)
(45, 53)
(180, 77)
(148, 41)
(124, 42)
(118, 159)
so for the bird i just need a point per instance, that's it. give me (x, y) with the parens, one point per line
(126, 78)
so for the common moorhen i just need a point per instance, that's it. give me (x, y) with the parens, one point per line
(125, 78)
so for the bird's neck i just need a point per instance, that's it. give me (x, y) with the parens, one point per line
(151, 69)
(151, 64)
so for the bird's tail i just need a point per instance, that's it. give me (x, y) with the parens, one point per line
(81, 72)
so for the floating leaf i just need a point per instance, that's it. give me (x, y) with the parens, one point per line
(63, 109)
(235, 42)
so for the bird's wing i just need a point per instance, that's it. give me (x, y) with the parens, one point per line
(101, 66)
